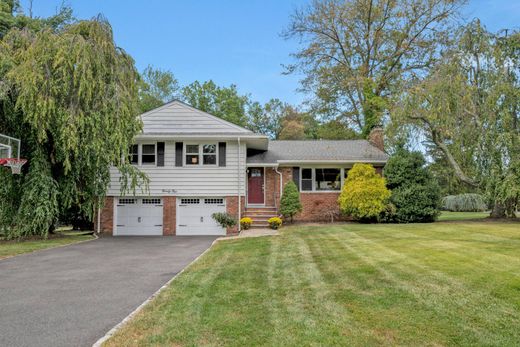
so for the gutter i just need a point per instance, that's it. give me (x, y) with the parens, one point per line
(281, 184)
(239, 179)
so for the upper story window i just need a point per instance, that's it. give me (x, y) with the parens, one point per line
(149, 154)
(203, 154)
(133, 155)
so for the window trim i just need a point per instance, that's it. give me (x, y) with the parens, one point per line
(201, 154)
(141, 154)
(313, 169)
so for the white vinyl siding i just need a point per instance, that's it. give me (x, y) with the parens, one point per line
(195, 180)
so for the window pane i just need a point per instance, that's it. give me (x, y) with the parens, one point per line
(209, 148)
(210, 159)
(346, 173)
(307, 185)
(193, 149)
(192, 159)
(328, 179)
(149, 149)
(307, 174)
(148, 159)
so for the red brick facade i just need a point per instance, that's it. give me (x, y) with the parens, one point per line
(107, 216)
(232, 209)
(169, 215)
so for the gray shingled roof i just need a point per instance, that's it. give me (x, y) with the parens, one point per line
(319, 150)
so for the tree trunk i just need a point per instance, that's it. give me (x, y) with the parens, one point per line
(499, 211)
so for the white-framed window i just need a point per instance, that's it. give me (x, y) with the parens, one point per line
(151, 201)
(133, 154)
(148, 154)
(201, 154)
(322, 179)
(214, 201)
(127, 201)
(190, 201)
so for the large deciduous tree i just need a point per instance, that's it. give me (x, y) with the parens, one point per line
(357, 53)
(468, 109)
(70, 94)
(156, 87)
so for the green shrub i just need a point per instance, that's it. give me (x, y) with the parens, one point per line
(415, 193)
(274, 222)
(245, 223)
(364, 195)
(224, 219)
(468, 202)
(290, 202)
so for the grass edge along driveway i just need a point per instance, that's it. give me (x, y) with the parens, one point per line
(13, 247)
(362, 285)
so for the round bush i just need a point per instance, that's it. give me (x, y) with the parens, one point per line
(364, 195)
(415, 193)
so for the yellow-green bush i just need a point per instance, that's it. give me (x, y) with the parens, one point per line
(274, 222)
(246, 222)
(364, 195)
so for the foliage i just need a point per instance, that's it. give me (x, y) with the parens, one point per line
(335, 130)
(223, 102)
(415, 193)
(292, 130)
(356, 54)
(224, 219)
(274, 222)
(297, 125)
(290, 202)
(245, 223)
(467, 110)
(155, 88)
(70, 94)
(464, 203)
(364, 195)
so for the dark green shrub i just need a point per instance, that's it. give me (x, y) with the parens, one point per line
(224, 219)
(415, 193)
(290, 203)
(469, 202)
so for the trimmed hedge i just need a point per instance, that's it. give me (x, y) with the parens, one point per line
(468, 202)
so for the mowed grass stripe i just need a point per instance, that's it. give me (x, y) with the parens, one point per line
(441, 284)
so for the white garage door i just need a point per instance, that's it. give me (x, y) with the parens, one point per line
(139, 216)
(194, 216)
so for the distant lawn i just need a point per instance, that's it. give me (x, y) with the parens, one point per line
(440, 284)
(10, 248)
(448, 216)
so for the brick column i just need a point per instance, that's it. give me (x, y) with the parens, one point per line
(169, 215)
(232, 209)
(107, 216)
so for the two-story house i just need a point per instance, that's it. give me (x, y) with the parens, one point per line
(199, 164)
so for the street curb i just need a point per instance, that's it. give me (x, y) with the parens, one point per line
(139, 308)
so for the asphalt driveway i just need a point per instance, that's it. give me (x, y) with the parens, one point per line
(71, 296)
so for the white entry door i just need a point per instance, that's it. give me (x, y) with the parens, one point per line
(139, 216)
(194, 216)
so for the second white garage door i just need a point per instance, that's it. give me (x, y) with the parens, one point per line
(194, 216)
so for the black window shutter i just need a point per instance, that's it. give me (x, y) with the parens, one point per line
(296, 176)
(160, 153)
(178, 153)
(221, 154)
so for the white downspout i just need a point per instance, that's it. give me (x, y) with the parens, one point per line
(239, 180)
(99, 220)
(281, 184)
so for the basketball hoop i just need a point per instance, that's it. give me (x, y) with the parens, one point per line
(14, 163)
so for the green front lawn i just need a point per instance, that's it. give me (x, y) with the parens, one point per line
(361, 285)
(10, 248)
(453, 216)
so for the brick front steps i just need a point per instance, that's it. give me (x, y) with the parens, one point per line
(260, 215)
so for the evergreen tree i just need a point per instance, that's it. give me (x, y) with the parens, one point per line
(290, 203)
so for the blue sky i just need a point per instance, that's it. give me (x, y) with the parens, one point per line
(228, 41)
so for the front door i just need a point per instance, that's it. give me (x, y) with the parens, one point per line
(255, 186)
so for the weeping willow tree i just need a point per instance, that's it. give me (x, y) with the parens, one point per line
(70, 94)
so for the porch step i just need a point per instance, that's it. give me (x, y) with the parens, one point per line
(262, 209)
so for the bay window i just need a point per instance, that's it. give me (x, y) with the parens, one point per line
(322, 179)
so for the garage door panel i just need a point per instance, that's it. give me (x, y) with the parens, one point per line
(139, 216)
(194, 216)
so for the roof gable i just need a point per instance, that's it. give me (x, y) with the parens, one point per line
(177, 117)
